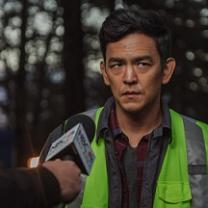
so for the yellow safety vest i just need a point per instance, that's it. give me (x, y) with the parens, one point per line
(173, 186)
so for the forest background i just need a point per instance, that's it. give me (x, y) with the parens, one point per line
(49, 65)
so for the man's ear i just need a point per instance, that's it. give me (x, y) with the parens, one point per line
(168, 70)
(104, 73)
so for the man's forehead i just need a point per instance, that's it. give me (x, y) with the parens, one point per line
(132, 46)
(132, 42)
(133, 58)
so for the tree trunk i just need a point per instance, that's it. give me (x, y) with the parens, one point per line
(111, 5)
(20, 96)
(72, 57)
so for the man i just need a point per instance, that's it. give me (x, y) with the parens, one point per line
(146, 154)
(51, 183)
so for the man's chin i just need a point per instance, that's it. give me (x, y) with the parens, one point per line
(132, 108)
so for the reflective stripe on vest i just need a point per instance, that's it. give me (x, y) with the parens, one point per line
(196, 150)
(173, 187)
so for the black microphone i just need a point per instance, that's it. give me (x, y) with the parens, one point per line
(75, 143)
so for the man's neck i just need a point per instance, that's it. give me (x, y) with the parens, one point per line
(137, 125)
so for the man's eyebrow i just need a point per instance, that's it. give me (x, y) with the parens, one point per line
(137, 58)
(141, 58)
(114, 59)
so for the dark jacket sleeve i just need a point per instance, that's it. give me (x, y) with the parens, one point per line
(28, 188)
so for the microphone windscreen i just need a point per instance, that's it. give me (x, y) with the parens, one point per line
(86, 121)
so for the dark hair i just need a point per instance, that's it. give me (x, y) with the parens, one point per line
(130, 20)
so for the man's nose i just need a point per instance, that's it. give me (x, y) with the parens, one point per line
(130, 75)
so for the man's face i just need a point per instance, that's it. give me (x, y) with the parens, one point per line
(134, 73)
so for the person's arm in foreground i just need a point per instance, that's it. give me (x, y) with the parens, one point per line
(44, 186)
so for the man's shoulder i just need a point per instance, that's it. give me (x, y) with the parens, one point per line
(192, 126)
(190, 119)
(90, 113)
(195, 127)
(194, 120)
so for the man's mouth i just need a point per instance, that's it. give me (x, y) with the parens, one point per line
(131, 94)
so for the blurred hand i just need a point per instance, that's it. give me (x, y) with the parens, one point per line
(68, 176)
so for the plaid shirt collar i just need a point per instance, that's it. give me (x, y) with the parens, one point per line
(108, 120)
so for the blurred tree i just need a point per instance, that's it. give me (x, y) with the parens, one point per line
(73, 57)
(30, 67)
(20, 94)
(49, 61)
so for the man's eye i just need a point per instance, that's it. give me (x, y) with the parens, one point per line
(116, 65)
(143, 64)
